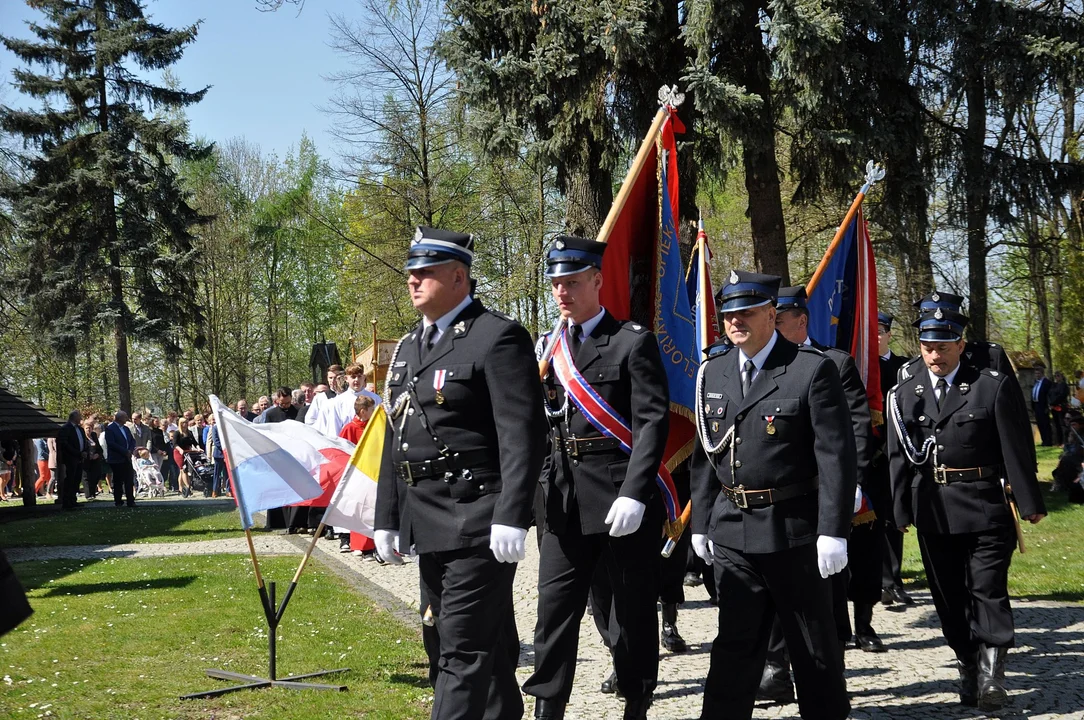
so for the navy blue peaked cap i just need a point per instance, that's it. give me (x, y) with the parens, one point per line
(747, 290)
(569, 255)
(792, 298)
(943, 300)
(941, 325)
(431, 246)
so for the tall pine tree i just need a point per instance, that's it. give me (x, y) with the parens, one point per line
(105, 224)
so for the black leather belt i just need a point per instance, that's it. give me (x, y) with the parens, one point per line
(452, 466)
(762, 498)
(945, 475)
(577, 446)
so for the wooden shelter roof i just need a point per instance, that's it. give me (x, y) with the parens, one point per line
(23, 420)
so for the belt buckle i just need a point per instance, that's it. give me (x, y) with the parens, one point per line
(940, 475)
(406, 474)
(572, 447)
(739, 497)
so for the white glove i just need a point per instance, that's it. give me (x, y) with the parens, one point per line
(858, 498)
(506, 542)
(387, 545)
(703, 548)
(831, 554)
(624, 516)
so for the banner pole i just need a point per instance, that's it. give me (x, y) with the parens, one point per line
(874, 173)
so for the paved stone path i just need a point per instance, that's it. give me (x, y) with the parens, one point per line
(913, 681)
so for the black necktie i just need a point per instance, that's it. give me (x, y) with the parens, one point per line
(941, 389)
(577, 338)
(747, 381)
(427, 339)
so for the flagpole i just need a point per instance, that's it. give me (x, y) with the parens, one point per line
(874, 173)
(611, 218)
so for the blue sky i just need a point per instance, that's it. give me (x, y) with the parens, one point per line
(265, 69)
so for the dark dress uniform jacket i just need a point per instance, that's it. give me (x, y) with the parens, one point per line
(980, 424)
(621, 361)
(492, 407)
(857, 405)
(800, 389)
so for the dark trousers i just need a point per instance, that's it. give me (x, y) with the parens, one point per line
(123, 482)
(969, 577)
(1058, 426)
(92, 478)
(865, 551)
(1042, 421)
(69, 482)
(893, 556)
(753, 589)
(170, 474)
(473, 647)
(566, 569)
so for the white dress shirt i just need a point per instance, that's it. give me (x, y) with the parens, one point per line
(949, 380)
(588, 326)
(758, 360)
(444, 321)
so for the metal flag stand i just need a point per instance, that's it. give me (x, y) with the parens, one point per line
(272, 614)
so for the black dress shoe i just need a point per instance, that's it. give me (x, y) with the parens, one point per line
(609, 685)
(869, 642)
(692, 579)
(637, 709)
(671, 638)
(776, 685)
(898, 594)
(968, 667)
(549, 709)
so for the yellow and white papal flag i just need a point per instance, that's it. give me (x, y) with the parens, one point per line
(353, 506)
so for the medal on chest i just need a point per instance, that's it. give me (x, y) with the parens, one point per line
(771, 424)
(439, 378)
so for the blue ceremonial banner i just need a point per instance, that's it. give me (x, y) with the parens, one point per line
(674, 321)
(832, 303)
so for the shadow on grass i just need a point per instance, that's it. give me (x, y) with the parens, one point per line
(420, 681)
(121, 586)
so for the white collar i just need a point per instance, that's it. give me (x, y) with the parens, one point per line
(760, 357)
(589, 325)
(950, 378)
(444, 321)
(887, 355)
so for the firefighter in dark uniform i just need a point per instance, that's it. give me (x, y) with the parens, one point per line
(891, 580)
(957, 440)
(861, 581)
(773, 484)
(602, 504)
(464, 447)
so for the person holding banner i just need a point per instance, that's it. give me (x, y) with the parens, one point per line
(958, 449)
(463, 449)
(608, 402)
(773, 484)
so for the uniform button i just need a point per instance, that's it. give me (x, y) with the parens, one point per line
(737, 441)
(481, 488)
(410, 410)
(737, 463)
(404, 447)
(938, 431)
(575, 463)
(922, 418)
(415, 378)
(740, 417)
(940, 448)
(971, 415)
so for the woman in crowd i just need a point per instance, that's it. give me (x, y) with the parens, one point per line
(45, 474)
(95, 465)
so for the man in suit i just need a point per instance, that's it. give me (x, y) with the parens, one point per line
(1040, 405)
(957, 437)
(71, 445)
(774, 479)
(602, 503)
(463, 449)
(120, 446)
(861, 581)
(891, 579)
(1058, 398)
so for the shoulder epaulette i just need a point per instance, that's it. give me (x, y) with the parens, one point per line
(905, 371)
(634, 327)
(718, 349)
(502, 316)
(811, 349)
(991, 373)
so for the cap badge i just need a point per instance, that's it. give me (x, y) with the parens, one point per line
(733, 278)
(560, 244)
(935, 297)
(938, 314)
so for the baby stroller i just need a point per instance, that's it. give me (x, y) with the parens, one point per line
(200, 471)
(149, 481)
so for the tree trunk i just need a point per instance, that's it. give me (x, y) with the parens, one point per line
(26, 472)
(976, 186)
(589, 194)
(109, 208)
(759, 158)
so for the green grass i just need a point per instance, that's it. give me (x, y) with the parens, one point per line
(124, 638)
(1053, 566)
(100, 523)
